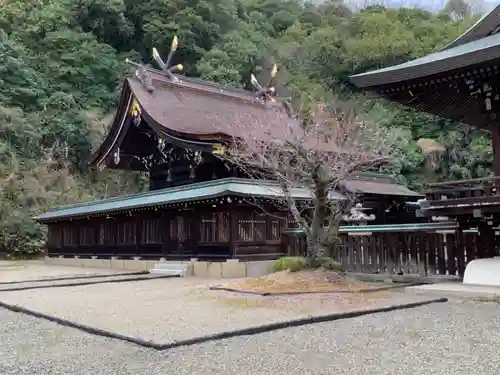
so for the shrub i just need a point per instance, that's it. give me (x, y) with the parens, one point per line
(292, 264)
(328, 264)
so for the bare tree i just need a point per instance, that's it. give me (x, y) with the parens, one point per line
(319, 155)
(462, 9)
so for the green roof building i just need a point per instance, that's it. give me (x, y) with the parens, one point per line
(197, 207)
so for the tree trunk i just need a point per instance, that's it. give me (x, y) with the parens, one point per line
(318, 222)
(313, 248)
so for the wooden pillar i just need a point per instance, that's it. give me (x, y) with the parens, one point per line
(165, 233)
(114, 230)
(77, 232)
(96, 227)
(194, 220)
(138, 227)
(233, 234)
(63, 238)
(460, 251)
(486, 240)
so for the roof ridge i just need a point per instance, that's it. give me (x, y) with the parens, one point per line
(223, 90)
(196, 80)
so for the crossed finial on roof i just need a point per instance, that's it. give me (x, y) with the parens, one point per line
(165, 66)
(144, 75)
(265, 92)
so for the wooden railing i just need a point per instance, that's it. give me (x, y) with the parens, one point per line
(463, 189)
(418, 249)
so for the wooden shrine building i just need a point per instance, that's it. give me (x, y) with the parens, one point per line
(461, 82)
(197, 207)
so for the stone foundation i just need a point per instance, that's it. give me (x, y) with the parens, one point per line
(230, 269)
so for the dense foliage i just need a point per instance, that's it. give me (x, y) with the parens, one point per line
(62, 62)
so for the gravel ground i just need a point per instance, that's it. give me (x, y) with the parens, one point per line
(88, 278)
(34, 270)
(166, 310)
(453, 338)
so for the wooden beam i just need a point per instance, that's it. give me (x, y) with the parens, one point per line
(459, 212)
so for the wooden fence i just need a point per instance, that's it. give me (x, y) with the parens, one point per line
(418, 249)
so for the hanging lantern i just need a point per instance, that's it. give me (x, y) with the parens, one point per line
(116, 157)
(161, 144)
(137, 120)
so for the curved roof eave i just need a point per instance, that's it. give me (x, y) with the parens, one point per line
(191, 192)
(461, 56)
(119, 127)
(482, 28)
(100, 155)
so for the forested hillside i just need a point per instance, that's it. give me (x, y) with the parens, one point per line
(62, 62)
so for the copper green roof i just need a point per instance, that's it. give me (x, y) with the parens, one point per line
(368, 229)
(463, 55)
(185, 193)
(209, 190)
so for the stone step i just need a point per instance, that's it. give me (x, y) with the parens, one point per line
(162, 265)
(169, 269)
(167, 272)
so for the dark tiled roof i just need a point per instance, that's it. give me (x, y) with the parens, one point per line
(461, 56)
(195, 108)
(487, 25)
(476, 45)
(435, 83)
(379, 188)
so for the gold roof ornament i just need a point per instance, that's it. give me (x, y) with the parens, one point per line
(165, 66)
(135, 111)
(144, 76)
(219, 149)
(135, 108)
(267, 91)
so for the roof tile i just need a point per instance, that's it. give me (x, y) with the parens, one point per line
(191, 107)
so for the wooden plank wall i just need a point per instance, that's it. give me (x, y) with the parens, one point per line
(419, 252)
(206, 234)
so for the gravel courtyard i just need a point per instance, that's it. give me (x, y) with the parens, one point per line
(163, 311)
(36, 270)
(459, 338)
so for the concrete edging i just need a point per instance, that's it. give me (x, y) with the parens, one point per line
(86, 283)
(277, 294)
(407, 278)
(229, 269)
(221, 335)
(100, 276)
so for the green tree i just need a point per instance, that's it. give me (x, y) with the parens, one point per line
(197, 24)
(62, 63)
(236, 55)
